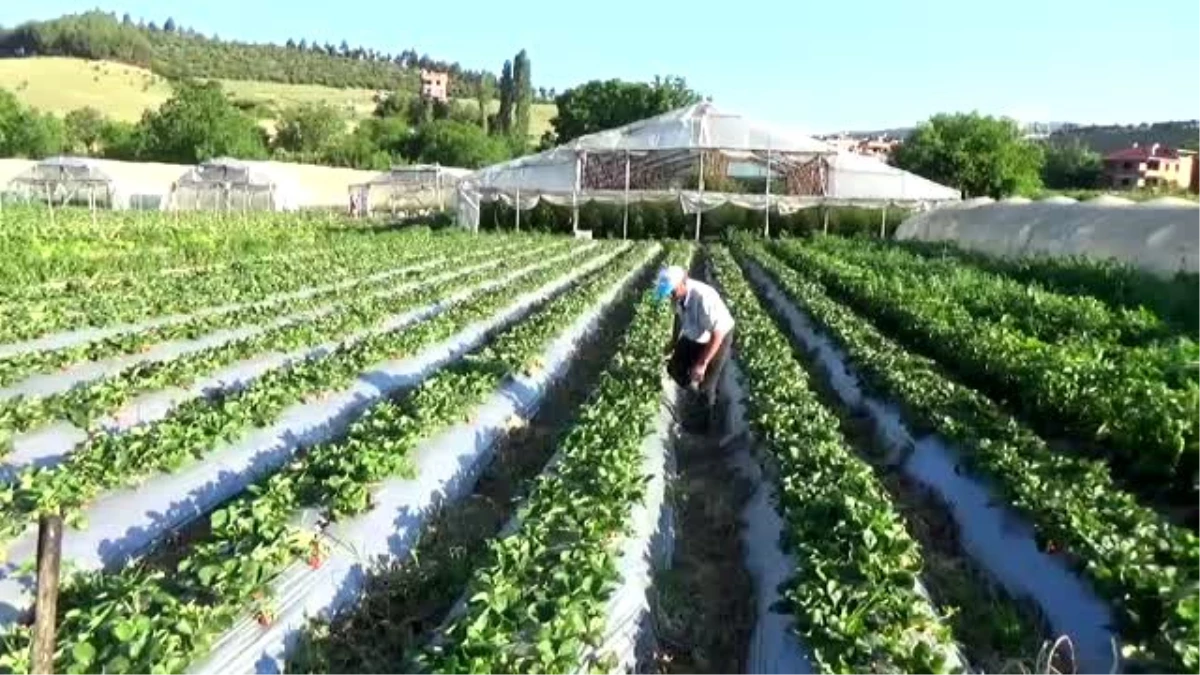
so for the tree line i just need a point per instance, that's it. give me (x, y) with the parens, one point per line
(987, 156)
(200, 121)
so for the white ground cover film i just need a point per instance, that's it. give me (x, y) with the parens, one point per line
(447, 467)
(996, 538)
(124, 523)
(628, 630)
(774, 645)
(50, 444)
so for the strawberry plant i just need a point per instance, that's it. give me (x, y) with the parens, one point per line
(15, 367)
(87, 403)
(1135, 405)
(540, 598)
(253, 538)
(106, 461)
(854, 598)
(1148, 568)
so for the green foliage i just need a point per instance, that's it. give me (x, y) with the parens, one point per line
(1145, 565)
(85, 130)
(522, 94)
(25, 132)
(91, 35)
(980, 155)
(309, 127)
(604, 104)
(651, 220)
(197, 123)
(1071, 165)
(452, 143)
(502, 121)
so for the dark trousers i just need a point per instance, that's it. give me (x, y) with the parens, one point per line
(687, 353)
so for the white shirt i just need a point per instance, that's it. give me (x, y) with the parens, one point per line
(702, 311)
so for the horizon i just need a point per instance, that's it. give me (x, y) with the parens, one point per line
(1132, 87)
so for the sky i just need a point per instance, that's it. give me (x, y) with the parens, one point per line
(817, 66)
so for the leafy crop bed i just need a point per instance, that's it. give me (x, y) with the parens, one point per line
(1144, 565)
(137, 350)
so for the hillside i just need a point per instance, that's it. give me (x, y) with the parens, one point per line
(175, 51)
(60, 85)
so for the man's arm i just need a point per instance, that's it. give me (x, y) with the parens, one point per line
(711, 347)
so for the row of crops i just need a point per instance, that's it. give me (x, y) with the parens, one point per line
(246, 424)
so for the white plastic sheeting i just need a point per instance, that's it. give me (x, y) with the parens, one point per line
(1159, 239)
(855, 178)
(447, 467)
(998, 540)
(627, 630)
(678, 137)
(124, 523)
(774, 645)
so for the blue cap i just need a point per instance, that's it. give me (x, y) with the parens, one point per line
(663, 290)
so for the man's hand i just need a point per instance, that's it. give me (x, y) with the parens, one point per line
(697, 372)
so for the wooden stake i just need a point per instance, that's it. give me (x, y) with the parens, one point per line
(49, 555)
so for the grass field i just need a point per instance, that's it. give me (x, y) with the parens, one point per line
(60, 85)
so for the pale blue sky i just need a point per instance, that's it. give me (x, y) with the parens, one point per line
(820, 66)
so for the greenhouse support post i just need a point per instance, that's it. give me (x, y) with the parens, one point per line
(700, 197)
(824, 219)
(625, 218)
(517, 208)
(575, 194)
(767, 208)
(883, 223)
(49, 558)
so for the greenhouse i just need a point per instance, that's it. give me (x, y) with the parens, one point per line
(1157, 237)
(226, 184)
(703, 158)
(405, 188)
(76, 181)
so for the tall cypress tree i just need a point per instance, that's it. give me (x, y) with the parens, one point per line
(504, 118)
(522, 97)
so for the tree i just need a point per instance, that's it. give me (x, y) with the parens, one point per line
(502, 122)
(1071, 165)
(522, 95)
(197, 123)
(84, 129)
(604, 104)
(126, 20)
(344, 48)
(980, 155)
(309, 127)
(169, 25)
(291, 44)
(152, 27)
(24, 132)
(452, 143)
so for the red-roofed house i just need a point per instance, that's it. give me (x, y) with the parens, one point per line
(1149, 166)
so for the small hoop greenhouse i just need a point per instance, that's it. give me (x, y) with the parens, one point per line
(67, 181)
(227, 184)
(405, 188)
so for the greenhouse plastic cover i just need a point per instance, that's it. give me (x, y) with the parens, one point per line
(124, 523)
(240, 176)
(447, 467)
(997, 539)
(1159, 239)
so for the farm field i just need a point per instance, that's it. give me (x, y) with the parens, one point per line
(60, 85)
(293, 443)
